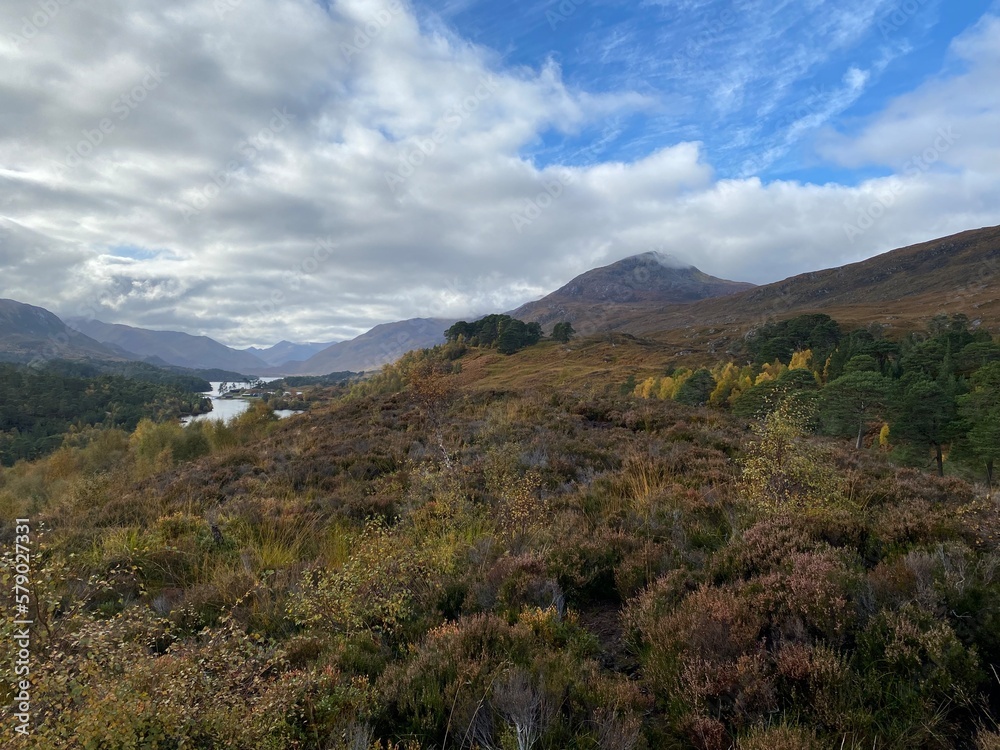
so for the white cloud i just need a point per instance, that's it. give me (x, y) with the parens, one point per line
(965, 104)
(307, 174)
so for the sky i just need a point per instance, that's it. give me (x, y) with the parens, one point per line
(258, 170)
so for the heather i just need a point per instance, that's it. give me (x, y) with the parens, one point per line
(472, 549)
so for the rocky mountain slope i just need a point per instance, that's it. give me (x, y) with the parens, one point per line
(29, 333)
(607, 293)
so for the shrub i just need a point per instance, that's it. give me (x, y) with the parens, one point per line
(784, 469)
(385, 583)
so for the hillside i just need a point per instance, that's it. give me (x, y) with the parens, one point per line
(568, 538)
(459, 551)
(611, 292)
(901, 290)
(381, 345)
(28, 332)
(172, 347)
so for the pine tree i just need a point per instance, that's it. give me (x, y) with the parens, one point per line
(981, 409)
(563, 332)
(851, 401)
(926, 411)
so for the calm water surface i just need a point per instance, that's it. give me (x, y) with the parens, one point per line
(224, 409)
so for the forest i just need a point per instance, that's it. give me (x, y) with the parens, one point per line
(39, 406)
(570, 546)
(502, 332)
(931, 390)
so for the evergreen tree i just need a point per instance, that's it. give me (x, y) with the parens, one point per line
(696, 390)
(851, 401)
(563, 332)
(981, 410)
(505, 333)
(925, 412)
(512, 338)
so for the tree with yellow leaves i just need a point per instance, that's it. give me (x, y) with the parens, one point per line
(801, 360)
(782, 468)
(730, 382)
(770, 371)
(648, 388)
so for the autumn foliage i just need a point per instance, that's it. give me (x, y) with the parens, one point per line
(442, 558)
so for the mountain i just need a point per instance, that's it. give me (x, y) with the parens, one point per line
(286, 351)
(173, 347)
(900, 290)
(382, 344)
(653, 297)
(959, 273)
(28, 333)
(602, 295)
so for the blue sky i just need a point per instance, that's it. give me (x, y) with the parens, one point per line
(259, 170)
(755, 81)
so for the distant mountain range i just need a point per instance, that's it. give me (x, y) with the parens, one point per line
(651, 295)
(382, 344)
(173, 347)
(28, 332)
(899, 290)
(285, 351)
(960, 273)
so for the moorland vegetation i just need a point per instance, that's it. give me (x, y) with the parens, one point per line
(568, 546)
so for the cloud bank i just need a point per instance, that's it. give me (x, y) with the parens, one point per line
(258, 170)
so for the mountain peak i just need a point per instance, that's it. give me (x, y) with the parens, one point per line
(664, 259)
(651, 277)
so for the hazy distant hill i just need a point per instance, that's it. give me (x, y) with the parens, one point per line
(601, 296)
(287, 351)
(28, 332)
(173, 347)
(382, 344)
